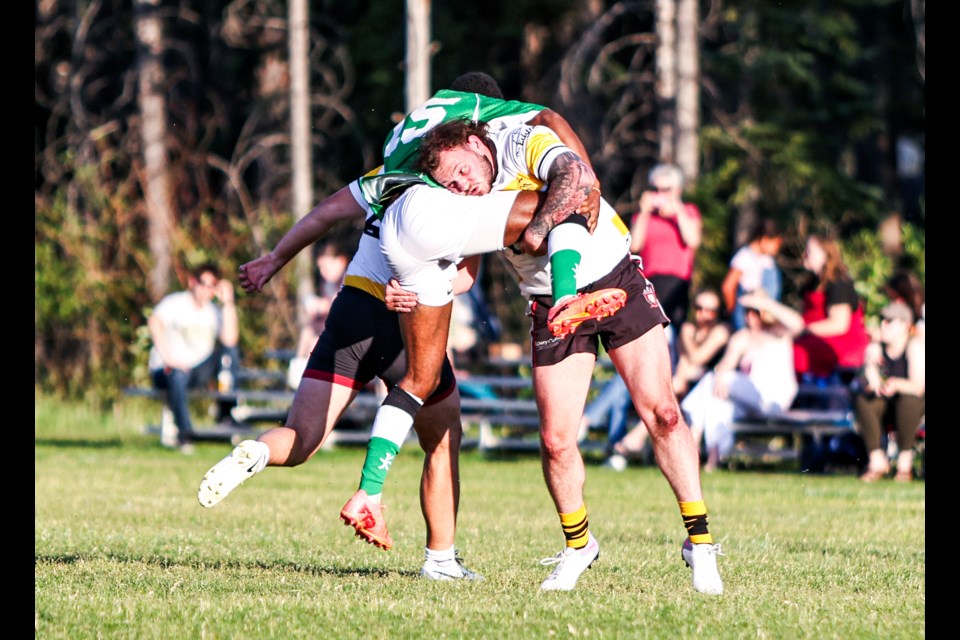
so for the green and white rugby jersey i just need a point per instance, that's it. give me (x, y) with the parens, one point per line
(368, 269)
(403, 143)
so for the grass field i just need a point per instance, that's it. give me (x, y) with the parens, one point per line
(122, 549)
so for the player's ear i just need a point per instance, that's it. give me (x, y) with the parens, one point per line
(475, 143)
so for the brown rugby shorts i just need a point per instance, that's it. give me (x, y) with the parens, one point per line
(641, 313)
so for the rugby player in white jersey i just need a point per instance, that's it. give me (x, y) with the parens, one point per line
(422, 244)
(362, 340)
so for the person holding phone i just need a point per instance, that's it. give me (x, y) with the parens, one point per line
(666, 232)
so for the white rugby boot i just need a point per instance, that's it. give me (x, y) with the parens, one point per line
(570, 564)
(452, 569)
(246, 460)
(702, 559)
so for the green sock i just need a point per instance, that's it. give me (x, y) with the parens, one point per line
(380, 455)
(563, 273)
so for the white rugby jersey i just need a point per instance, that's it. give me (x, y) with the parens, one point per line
(368, 270)
(524, 157)
(428, 231)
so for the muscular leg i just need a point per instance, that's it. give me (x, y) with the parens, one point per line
(440, 430)
(561, 391)
(425, 331)
(391, 425)
(317, 406)
(425, 357)
(644, 364)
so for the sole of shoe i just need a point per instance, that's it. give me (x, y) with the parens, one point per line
(356, 521)
(602, 307)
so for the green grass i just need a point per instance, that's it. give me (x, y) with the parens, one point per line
(123, 550)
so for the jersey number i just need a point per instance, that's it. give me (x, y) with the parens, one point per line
(372, 228)
(430, 114)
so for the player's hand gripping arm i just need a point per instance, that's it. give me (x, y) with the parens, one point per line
(403, 301)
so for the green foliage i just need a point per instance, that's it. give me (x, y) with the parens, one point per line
(801, 108)
(87, 306)
(870, 266)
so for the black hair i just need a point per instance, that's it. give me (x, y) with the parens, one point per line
(478, 82)
(765, 228)
(206, 267)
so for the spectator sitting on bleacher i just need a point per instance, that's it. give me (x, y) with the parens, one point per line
(893, 391)
(835, 337)
(755, 376)
(701, 342)
(192, 339)
(904, 286)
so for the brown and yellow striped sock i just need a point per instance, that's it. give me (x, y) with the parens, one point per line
(575, 528)
(694, 516)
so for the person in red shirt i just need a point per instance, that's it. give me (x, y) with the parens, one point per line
(666, 232)
(835, 338)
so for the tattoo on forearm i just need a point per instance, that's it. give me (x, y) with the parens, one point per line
(570, 181)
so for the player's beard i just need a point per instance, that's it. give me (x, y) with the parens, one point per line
(486, 173)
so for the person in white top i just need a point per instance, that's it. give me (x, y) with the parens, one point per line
(753, 268)
(755, 375)
(192, 339)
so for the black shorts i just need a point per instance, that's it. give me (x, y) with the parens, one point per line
(362, 340)
(641, 313)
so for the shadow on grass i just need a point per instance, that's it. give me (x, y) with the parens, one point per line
(79, 444)
(296, 567)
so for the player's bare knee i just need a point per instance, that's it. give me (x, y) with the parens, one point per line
(666, 417)
(556, 443)
(420, 386)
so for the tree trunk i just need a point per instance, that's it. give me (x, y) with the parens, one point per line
(300, 142)
(688, 88)
(153, 130)
(418, 53)
(667, 79)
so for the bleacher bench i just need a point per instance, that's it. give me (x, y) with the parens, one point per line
(257, 410)
(798, 435)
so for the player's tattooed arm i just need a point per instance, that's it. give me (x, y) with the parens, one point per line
(570, 183)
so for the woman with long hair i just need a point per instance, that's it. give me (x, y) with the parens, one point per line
(835, 337)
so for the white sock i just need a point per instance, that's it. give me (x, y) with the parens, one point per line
(391, 423)
(442, 556)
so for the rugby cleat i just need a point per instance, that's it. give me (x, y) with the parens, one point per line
(702, 559)
(452, 569)
(366, 516)
(245, 461)
(564, 318)
(570, 564)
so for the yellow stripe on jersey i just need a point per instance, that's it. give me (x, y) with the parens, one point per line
(619, 224)
(540, 142)
(375, 289)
